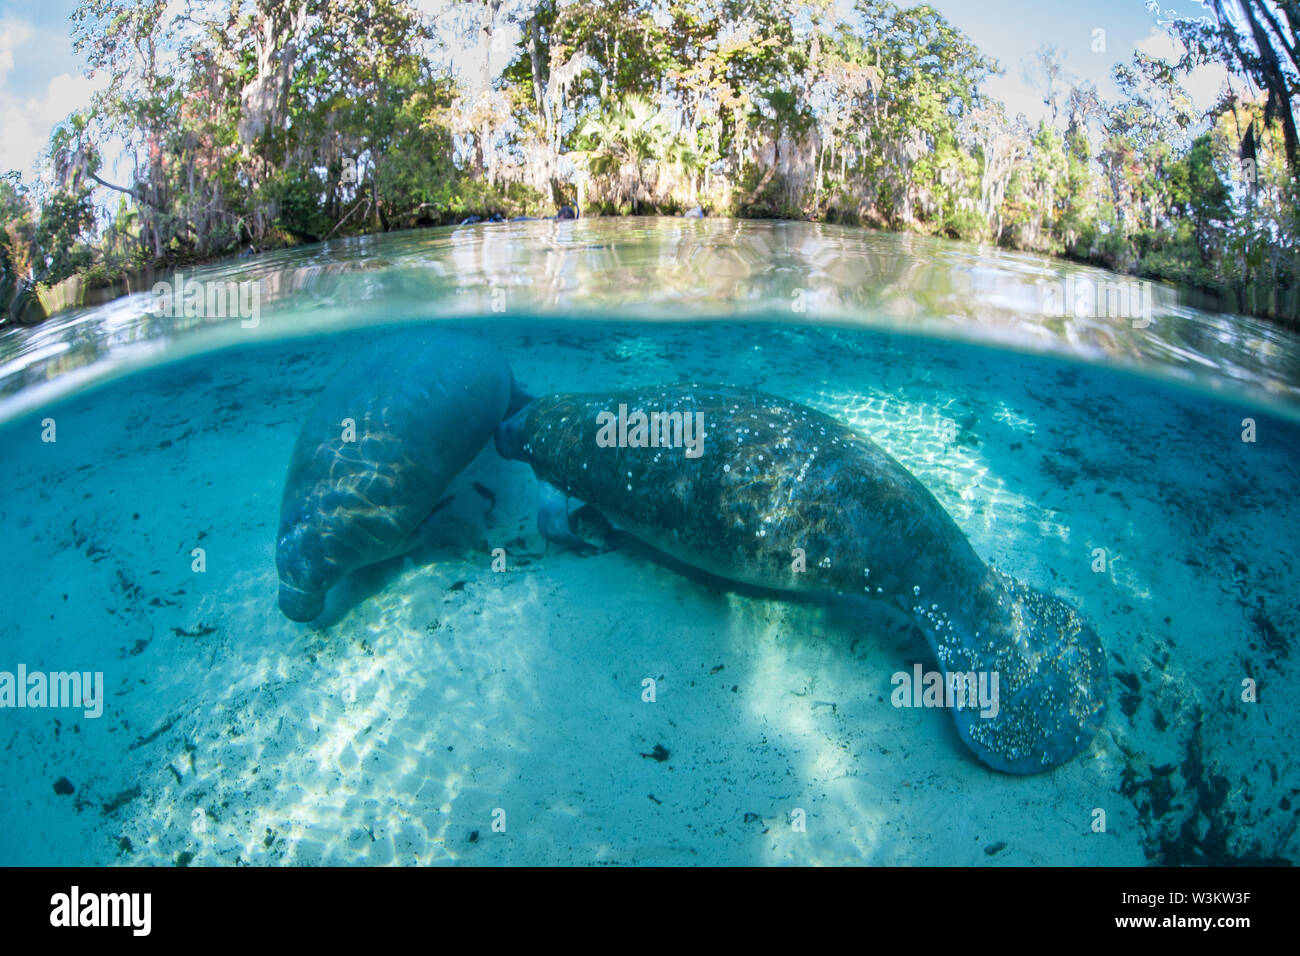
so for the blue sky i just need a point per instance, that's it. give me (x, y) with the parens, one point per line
(1012, 30)
(41, 79)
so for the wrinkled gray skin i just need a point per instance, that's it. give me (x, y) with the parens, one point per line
(774, 476)
(425, 401)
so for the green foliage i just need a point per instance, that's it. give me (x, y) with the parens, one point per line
(297, 195)
(965, 224)
(17, 230)
(66, 220)
(633, 155)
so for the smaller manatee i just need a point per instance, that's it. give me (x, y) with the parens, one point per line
(423, 403)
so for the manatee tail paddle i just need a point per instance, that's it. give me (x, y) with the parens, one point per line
(1043, 663)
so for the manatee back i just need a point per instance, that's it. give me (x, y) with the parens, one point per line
(771, 475)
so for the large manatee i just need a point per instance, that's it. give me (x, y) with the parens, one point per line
(733, 481)
(422, 403)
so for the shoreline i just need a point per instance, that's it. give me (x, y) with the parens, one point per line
(80, 291)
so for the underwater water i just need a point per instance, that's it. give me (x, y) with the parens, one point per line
(441, 711)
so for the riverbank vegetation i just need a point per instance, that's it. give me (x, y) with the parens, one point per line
(252, 124)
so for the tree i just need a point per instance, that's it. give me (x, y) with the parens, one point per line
(632, 153)
(1266, 50)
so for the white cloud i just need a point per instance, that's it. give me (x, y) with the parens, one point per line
(13, 34)
(28, 122)
(1017, 97)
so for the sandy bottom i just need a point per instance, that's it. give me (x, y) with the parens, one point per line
(444, 713)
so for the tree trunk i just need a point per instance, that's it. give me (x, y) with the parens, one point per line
(486, 153)
(535, 62)
(1279, 91)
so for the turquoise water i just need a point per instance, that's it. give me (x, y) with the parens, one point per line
(435, 698)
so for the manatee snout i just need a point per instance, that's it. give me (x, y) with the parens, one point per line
(300, 606)
(302, 583)
(509, 436)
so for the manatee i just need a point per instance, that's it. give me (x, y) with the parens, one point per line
(424, 402)
(771, 476)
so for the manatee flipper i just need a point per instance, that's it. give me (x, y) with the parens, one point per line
(590, 524)
(554, 508)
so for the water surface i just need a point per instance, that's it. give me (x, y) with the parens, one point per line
(434, 693)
